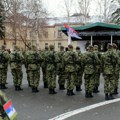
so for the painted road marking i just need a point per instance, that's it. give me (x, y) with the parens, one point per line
(81, 110)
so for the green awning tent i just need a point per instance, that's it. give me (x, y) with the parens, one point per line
(98, 31)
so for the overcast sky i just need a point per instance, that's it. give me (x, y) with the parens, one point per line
(55, 7)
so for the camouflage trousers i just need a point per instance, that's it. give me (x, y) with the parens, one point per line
(51, 77)
(3, 76)
(78, 79)
(34, 76)
(61, 79)
(89, 82)
(116, 80)
(97, 79)
(70, 79)
(44, 75)
(109, 83)
(17, 76)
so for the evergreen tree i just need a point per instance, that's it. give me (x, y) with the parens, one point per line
(2, 17)
(116, 15)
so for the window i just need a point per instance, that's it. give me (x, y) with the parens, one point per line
(59, 44)
(59, 34)
(46, 44)
(45, 34)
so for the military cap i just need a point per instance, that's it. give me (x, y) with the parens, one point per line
(90, 47)
(70, 46)
(96, 47)
(109, 46)
(114, 46)
(46, 48)
(77, 48)
(51, 46)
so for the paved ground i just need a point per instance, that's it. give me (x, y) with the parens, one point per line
(42, 106)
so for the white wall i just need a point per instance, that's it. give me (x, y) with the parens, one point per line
(81, 44)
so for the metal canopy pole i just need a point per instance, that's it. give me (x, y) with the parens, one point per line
(111, 39)
(91, 40)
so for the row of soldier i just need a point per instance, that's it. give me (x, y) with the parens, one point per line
(68, 65)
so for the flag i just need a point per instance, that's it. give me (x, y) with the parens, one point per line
(10, 110)
(71, 32)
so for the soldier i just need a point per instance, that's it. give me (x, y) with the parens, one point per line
(109, 63)
(51, 69)
(33, 64)
(26, 64)
(60, 68)
(16, 61)
(44, 66)
(90, 60)
(117, 52)
(4, 58)
(69, 62)
(79, 69)
(98, 71)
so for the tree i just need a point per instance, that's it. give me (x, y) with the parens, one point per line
(2, 18)
(116, 13)
(83, 9)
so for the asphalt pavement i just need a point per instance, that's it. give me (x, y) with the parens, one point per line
(42, 106)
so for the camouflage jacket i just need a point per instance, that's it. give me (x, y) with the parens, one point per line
(16, 60)
(90, 60)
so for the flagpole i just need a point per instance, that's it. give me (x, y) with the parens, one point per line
(69, 39)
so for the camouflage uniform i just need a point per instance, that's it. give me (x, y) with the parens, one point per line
(98, 71)
(3, 100)
(60, 68)
(4, 57)
(33, 60)
(44, 67)
(26, 66)
(16, 61)
(69, 62)
(109, 63)
(116, 51)
(51, 69)
(79, 69)
(90, 60)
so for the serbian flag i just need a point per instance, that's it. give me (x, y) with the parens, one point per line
(10, 110)
(71, 33)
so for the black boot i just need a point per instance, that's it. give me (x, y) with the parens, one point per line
(16, 88)
(54, 92)
(4, 87)
(95, 90)
(90, 95)
(61, 87)
(106, 96)
(111, 96)
(33, 89)
(72, 93)
(19, 88)
(36, 89)
(50, 91)
(115, 91)
(0, 86)
(78, 88)
(68, 92)
(45, 85)
(87, 94)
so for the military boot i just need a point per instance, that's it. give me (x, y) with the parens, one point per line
(90, 95)
(106, 96)
(45, 85)
(0, 86)
(33, 89)
(61, 87)
(19, 88)
(36, 89)
(16, 88)
(111, 96)
(68, 92)
(53, 91)
(50, 91)
(115, 91)
(72, 93)
(87, 94)
(4, 87)
(78, 88)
